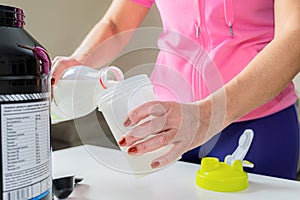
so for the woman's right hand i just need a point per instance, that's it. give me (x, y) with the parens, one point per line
(59, 64)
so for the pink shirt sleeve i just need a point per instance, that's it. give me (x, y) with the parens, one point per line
(146, 3)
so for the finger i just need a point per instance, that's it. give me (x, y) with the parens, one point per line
(154, 108)
(57, 58)
(172, 155)
(154, 143)
(150, 127)
(56, 72)
(59, 65)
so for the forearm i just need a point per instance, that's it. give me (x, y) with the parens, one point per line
(264, 77)
(273, 68)
(100, 45)
(111, 33)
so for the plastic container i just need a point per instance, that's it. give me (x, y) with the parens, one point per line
(75, 94)
(116, 102)
(24, 111)
(220, 176)
(227, 176)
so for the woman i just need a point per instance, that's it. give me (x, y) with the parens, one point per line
(234, 61)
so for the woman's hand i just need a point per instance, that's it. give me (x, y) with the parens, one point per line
(183, 125)
(61, 63)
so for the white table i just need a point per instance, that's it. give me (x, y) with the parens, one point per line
(176, 182)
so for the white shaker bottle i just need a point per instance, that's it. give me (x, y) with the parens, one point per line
(116, 102)
(75, 93)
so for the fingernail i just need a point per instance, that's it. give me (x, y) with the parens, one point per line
(122, 142)
(127, 122)
(155, 164)
(132, 150)
(52, 81)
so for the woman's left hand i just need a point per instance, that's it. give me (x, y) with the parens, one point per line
(183, 125)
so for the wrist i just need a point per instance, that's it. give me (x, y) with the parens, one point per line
(80, 56)
(216, 106)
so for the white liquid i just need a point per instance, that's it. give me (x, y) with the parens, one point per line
(75, 98)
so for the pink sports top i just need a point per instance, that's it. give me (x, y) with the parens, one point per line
(206, 43)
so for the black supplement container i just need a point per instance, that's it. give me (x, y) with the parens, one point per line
(25, 162)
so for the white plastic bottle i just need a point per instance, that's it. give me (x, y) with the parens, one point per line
(75, 93)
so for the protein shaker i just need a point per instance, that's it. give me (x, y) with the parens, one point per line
(115, 103)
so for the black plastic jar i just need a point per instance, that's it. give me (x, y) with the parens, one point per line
(24, 111)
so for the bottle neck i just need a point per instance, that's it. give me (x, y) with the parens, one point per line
(11, 16)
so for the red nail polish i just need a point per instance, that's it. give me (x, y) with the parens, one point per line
(127, 122)
(122, 142)
(132, 150)
(52, 81)
(155, 164)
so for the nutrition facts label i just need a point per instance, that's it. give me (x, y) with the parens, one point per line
(25, 149)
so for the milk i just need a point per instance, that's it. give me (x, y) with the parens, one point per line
(75, 93)
(74, 98)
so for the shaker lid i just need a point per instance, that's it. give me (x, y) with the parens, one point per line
(11, 16)
(220, 176)
(227, 176)
(121, 88)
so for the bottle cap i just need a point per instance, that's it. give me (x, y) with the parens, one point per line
(221, 177)
(227, 176)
